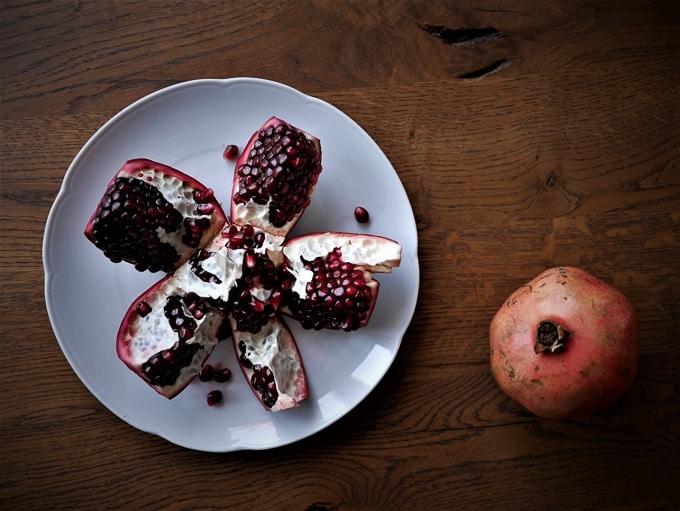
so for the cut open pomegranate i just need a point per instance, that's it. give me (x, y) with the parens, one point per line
(329, 277)
(154, 216)
(272, 365)
(237, 278)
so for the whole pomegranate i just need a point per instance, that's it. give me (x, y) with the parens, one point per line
(565, 344)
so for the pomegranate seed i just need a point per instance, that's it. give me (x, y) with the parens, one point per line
(205, 209)
(361, 215)
(203, 195)
(143, 309)
(250, 260)
(206, 373)
(222, 375)
(214, 397)
(230, 152)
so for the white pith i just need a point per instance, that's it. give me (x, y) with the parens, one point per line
(225, 264)
(374, 253)
(251, 213)
(258, 215)
(265, 348)
(152, 333)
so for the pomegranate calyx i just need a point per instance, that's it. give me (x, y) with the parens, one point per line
(550, 337)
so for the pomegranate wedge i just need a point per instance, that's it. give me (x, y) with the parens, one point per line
(329, 277)
(275, 177)
(271, 364)
(154, 216)
(167, 334)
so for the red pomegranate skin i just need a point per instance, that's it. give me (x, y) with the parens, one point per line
(598, 361)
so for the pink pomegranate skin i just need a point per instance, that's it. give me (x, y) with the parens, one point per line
(595, 365)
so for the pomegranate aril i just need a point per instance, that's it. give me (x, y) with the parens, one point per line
(214, 397)
(243, 357)
(222, 375)
(250, 261)
(361, 215)
(143, 309)
(205, 209)
(206, 373)
(230, 152)
(201, 196)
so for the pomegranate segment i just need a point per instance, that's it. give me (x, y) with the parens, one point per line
(154, 217)
(271, 364)
(275, 177)
(167, 334)
(328, 277)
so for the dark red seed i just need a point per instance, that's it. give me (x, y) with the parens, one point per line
(206, 373)
(361, 215)
(250, 260)
(230, 152)
(222, 375)
(214, 397)
(143, 309)
(203, 195)
(205, 209)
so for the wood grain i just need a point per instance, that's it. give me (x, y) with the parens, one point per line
(567, 155)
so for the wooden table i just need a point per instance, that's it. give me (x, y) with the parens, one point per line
(557, 143)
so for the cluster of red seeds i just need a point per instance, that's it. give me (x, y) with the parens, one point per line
(259, 272)
(337, 296)
(262, 378)
(126, 223)
(281, 169)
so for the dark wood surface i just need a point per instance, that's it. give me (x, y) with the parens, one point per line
(556, 144)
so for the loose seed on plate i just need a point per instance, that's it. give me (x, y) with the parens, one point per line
(214, 397)
(230, 152)
(361, 215)
(222, 375)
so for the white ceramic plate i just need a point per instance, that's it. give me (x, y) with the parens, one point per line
(187, 126)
